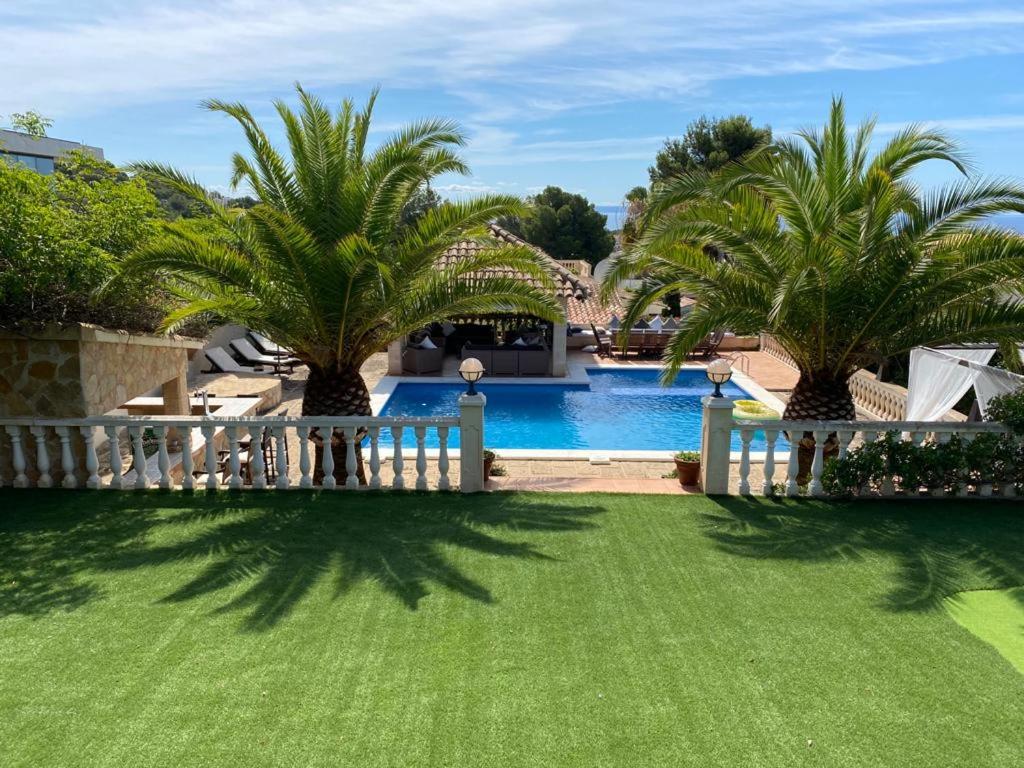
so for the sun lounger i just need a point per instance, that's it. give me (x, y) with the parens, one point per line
(222, 362)
(268, 347)
(254, 357)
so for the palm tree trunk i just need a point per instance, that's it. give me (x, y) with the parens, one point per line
(818, 397)
(333, 392)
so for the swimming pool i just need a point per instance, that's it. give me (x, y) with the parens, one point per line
(621, 409)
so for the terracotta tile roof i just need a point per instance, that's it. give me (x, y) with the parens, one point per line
(591, 309)
(570, 286)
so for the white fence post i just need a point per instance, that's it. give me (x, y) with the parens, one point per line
(716, 444)
(471, 442)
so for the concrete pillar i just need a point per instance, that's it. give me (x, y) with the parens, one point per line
(558, 351)
(716, 440)
(176, 403)
(471, 442)
(175, 394)
(395, 350)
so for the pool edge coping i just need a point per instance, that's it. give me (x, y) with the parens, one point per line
(577, 376)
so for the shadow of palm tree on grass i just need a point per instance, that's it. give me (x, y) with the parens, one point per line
(940, 547)
(277, 546)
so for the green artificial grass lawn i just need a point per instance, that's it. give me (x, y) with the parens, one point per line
(996, 616)
(499, 630)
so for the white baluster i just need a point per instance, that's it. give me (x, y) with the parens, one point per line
(768, 486)
(421, 458)
(745, 436)
(374, 457)
(397, 464)
(943, 438)
(281, 457)
(92, 462)
(443, 483)
(116, 465)
(351, 478)
(793, 467)
(234, 460)
(67, 460)
(187, 480)
(163, 461)
(306, 480)
(327, 433)
(845, 437)
(138, 457)
(886, 488)
(916, 438)
(964, 489)
(212, 481)
(259, 478)
(17, 456)
(818, 465)
(42, 458)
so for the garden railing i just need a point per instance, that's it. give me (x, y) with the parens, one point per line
(169, 451)
(726, 471)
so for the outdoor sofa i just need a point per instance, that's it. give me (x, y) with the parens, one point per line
(419, 361)
(509, 359)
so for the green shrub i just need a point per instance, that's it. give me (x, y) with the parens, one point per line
(1008, 409)
(61, 238)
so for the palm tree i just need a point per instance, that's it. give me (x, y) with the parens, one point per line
(323, 263)
(834, 252)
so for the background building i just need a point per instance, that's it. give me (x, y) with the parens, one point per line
(38, 153)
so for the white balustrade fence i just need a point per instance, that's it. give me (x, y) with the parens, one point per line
(773, 472)
(182, 451)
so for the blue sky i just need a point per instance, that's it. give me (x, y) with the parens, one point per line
(577, 94)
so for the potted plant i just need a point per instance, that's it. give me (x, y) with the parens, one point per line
(489, 457)
(688, 467)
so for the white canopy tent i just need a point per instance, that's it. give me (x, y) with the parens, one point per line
(939, 378)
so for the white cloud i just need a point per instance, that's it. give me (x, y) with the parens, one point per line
(582, 150)
(962, 124)
(517, 58)
(462, 190)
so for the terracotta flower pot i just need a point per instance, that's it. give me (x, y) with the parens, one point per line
(688, 472)
(488, 463)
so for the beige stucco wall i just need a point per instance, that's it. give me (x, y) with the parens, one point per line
(81, 370)
(84, 370)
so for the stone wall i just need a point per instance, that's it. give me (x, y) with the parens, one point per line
(82, 370)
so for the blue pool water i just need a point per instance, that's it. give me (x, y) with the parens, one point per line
(620, 410)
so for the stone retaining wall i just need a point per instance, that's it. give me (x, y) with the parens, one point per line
(84, 370)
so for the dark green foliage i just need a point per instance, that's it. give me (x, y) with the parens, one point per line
(708, 145)
(322, 263)
(423, 200)
(565, 225)
(61, 238)
(987, 458)
(1009, 410)
(635, 205)
(834, 250)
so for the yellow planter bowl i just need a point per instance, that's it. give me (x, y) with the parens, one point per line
(753, 409)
